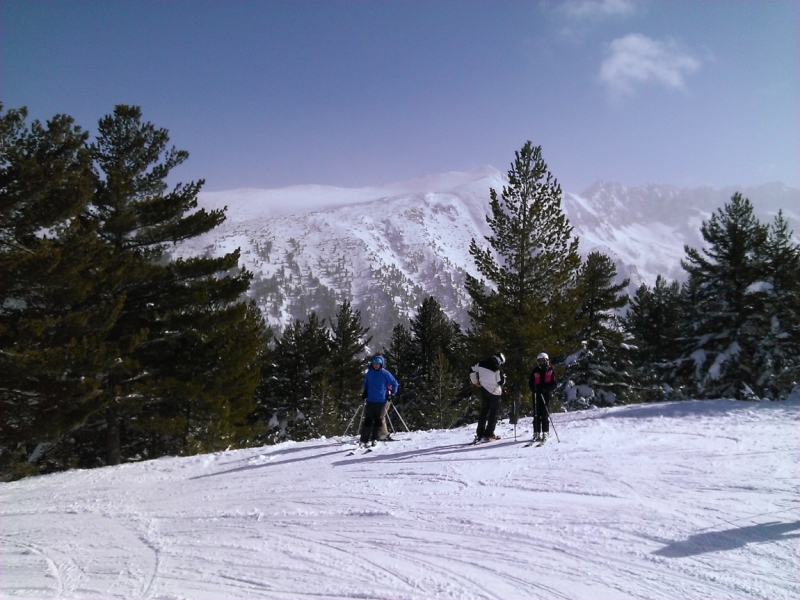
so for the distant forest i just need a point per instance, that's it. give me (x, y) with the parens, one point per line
(112, 351)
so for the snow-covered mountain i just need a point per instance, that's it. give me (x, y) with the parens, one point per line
(645, 228)
(385, 248)
(668, 501)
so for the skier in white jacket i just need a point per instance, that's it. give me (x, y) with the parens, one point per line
(489, 375)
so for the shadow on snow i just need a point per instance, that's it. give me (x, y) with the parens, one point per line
(397, 456)
(730, 539)
(437, 450)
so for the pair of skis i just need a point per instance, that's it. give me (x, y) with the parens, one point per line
(360, 450)
(537, 443)
(478, 441)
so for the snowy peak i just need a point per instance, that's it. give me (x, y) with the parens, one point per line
(384, 248)
(247, 204)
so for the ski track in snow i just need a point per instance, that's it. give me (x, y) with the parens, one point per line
(664, 501)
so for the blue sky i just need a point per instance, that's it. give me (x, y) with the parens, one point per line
(355, 93)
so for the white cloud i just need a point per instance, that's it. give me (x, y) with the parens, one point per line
(638, 60)
(594, 10)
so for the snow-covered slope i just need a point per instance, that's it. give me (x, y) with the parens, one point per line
(667, 501)
(645, 228)
(386, 248)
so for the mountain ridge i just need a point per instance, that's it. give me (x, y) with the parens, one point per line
(385, 248)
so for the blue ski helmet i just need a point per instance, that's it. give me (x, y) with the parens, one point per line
(377, 359)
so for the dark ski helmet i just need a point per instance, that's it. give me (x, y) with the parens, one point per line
(500, 358)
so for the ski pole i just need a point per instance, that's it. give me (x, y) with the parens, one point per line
(352, 419)
(401, 417)
(550, 417)
(388, 417)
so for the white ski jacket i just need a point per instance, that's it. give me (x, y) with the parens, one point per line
(491, 381)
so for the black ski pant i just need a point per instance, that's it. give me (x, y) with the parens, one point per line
(541, 410)
(371, 425)
(490, 405)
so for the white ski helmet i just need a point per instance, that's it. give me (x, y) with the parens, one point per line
(542, 355)
(500, 358)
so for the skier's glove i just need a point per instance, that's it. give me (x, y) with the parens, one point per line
(364, 395)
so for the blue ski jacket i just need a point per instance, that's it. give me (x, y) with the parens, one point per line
(378, 383)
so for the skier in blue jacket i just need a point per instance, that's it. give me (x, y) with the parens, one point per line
(379, 384)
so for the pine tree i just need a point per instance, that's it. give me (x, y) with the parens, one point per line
(653, 323)
(401, 362)
(524, 304)
(280, 378)
(723, 325)
(298, 385)
(601, 370)
(54, 313)
(653, 320)
(204, 401)
(777, 359)
(116, 349)
(600, 298)
(433, 333)
(434, 355)
(345, 368)
(444, 390)
(258, 421)
(171, 307)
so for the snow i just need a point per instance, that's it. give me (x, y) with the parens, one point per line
(677, 500)
(759, 286)
(247, 203)
(699, 356)
(410, 239)
(722, 357)
(646, 249)
(347, 239)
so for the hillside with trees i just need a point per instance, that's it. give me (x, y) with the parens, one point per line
(115, 348)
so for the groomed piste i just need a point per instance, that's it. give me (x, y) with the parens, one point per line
(698, 499)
